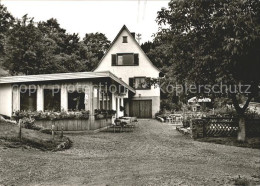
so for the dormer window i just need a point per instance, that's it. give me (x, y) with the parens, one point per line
(124, 39)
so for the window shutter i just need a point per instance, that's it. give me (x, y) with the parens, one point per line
(113, 57)
(131, 82)
(136, 59)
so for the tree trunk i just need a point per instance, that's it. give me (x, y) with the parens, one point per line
(242, 129)
(241, 112)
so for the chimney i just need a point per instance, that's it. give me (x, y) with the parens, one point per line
(133, 34)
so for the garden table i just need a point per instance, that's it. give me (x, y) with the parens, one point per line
(124, 123)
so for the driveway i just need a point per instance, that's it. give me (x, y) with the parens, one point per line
(154, 154)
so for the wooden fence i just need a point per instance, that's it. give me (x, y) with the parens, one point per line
(74, 124)
(222, 127)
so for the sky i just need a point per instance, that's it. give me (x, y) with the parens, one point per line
(86, 16)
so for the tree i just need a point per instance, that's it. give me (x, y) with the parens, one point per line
(45, 47)
(51, 29)
(93, 48)
(157, 53)
(28, 49)
(209, 42)
(6, 22)
(21, 44)
(147, 46)
(87, 52)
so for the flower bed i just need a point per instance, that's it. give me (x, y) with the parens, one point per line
(67, 121)
(104, 114)
(50, 115)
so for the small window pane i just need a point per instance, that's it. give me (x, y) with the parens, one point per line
(120, 60)
(128, 59)
(52, 99)
(124, 39)
(76, 101)
(28, 100)
(140, 83)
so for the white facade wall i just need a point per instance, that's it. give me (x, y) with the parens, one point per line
(64, 98)
(6, 99)
(145, 67)
(40, 99)
(16, 98)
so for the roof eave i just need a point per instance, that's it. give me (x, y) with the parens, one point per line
(62, 77)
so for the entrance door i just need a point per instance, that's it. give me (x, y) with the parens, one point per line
(141, 108)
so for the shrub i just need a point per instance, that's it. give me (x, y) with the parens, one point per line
(186, 122)
(28, 123)
(231, 112)
(158, 113)
(169, 105)
(111, 112)
(105, 112)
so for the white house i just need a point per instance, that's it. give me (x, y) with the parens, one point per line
(118, 83)
(126, 59)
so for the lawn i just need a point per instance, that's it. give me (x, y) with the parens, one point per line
(154, 154)
(252, 142)
(9, 137)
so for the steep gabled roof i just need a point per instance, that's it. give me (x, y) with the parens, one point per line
(117, 36)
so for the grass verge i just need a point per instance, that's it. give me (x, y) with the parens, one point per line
(31, 138)
(232, 141)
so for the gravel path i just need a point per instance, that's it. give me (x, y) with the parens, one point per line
(154, 154)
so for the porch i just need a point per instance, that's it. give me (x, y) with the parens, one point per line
(63, 94)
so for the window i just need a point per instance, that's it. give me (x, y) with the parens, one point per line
(104, 100)
(125, 59)
(28, 100)
(52, 99)
(121, 108)
(124, 39)
(140, 83)
(116, 104)
(76, 101)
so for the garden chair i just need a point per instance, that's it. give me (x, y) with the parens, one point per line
(178, 118)
(169, 119)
